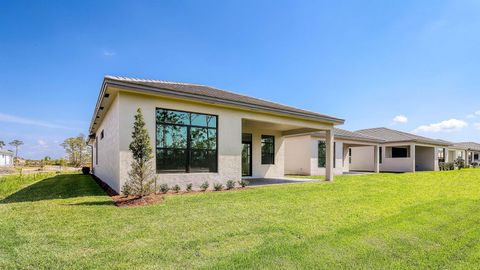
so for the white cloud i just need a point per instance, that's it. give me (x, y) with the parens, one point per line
(109, 53)
(477, 126)
(477, 112)
(42, 143)
(400, 119)
(7, 118)
(444, 126)
(471, 116)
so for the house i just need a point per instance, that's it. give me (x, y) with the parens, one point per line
(471, 151)
(305, 153)
(404, 152)
(6, 158)
(198, 133)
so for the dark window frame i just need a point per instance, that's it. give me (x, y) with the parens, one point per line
(400, 152)
(271, 155)
(188, 150)
(349, 155)
(380, 155)
(334, 154)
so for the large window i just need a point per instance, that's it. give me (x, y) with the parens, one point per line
(322, 154)
(397, 152)
(186, 142)
(268, 149)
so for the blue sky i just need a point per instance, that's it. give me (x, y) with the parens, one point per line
(366, 61)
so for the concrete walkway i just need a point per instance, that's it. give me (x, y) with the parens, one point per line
(278, 181)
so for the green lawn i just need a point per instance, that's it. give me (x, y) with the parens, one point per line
(423, 220)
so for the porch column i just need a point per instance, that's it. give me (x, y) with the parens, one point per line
(329, 151)
(376, 159)
(412, 156)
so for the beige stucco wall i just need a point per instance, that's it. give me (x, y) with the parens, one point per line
(108, 167)
(363, 158)
(260, 170)
(339, 157)
(297, 155)
(425, 158)
(398, 164)
(229, 138)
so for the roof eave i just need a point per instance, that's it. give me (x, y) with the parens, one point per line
(108, 82)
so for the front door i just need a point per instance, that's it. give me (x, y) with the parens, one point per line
(247, 155)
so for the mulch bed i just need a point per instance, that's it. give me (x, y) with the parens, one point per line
(133, 201)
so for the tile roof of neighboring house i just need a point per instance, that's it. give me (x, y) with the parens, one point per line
(391, 136)
(468, 146)
(215, 95)
(6, 152)
(350, 135)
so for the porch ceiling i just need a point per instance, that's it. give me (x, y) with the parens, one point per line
(287, 129)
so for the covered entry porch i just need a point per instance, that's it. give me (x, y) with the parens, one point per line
(263, 147)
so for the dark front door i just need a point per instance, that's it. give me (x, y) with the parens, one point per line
(247, 159)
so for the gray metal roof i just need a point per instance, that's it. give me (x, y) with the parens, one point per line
(350, 135)
(472, 146)
(6, 152)
(215, 95)
(391, 136)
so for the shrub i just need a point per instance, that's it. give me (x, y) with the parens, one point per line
(230, 184)
(189, 187)
(460, 163)
(126, 190)
(164, 188)
(176, 188)
(441, 166)
(449, 166)
(217, 186)
(475, 164)
(204, 186)
(86, 170)
(243, 183)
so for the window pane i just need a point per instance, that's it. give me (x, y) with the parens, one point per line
(203, 161)
(212, 121)
(321, 154)
(399, 152)
(268, 149)
(169, 136)
(203, 138)
(173, 117)
(246, 137)
(173, 160)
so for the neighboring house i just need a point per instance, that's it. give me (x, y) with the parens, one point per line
(404, 152)
(198, 133)
(6, 158)
(471, 151)
(305, 154)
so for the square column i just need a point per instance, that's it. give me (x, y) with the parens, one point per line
(329, 153)
(376, 159)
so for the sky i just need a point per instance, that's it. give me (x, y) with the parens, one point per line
(409, 65)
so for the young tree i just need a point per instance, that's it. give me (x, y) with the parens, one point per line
(141, 178)
(16, 144)
(2, 144)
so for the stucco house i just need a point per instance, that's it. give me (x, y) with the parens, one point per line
(199, 133)
(305, 153)
(6, 158)
(405, 152)
(470, 151)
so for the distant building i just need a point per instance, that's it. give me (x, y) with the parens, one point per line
(6, 158)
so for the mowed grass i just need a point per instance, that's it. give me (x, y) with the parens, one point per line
(384, 221)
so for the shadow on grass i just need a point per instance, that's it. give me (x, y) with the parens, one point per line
(58, 187)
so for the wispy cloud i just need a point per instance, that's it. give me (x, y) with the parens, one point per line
(400, 119)
(7, 118)
(450, 125)
(109, 53)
